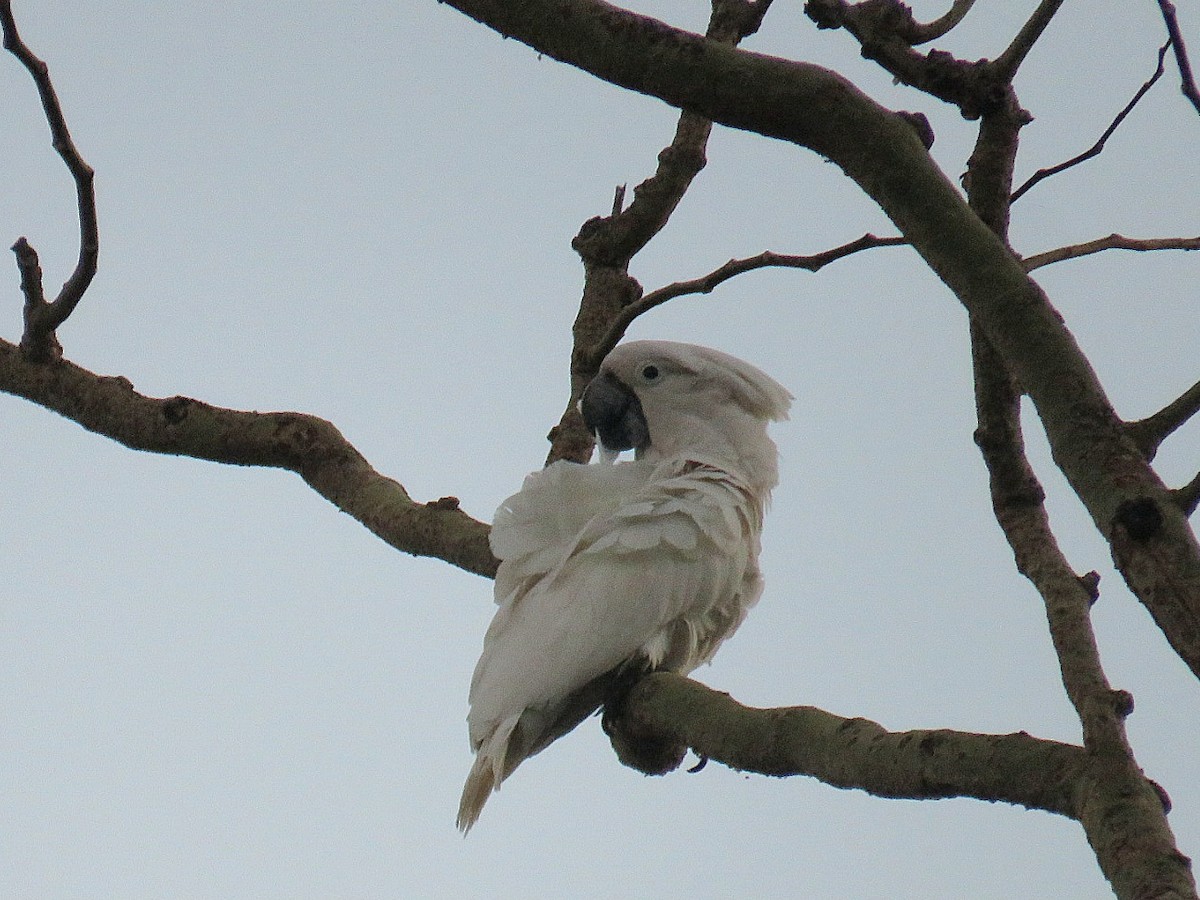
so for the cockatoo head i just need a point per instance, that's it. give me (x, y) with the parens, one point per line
(663, 399)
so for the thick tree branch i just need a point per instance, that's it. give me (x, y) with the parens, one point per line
(1141, 851)
(853, 753)
(311, 447)
(1123, 818)
(815, 108)
(1018, 502)
(707, 283)
(42, 318)
(1098, 147)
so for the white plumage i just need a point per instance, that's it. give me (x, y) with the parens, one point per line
(650, 563)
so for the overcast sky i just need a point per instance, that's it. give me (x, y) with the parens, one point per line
(213, 684)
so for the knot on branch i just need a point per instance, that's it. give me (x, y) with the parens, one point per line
(736, 19)
(1140, 517)
(636, 743)
(920, 124)
(175, 409)
(1091, 586)
(603, 241)
(886, 32)
(1122, 702)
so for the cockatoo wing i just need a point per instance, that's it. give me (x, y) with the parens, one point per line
(535, 528)
(602, 566)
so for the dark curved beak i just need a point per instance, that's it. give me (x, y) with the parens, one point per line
(614, 414)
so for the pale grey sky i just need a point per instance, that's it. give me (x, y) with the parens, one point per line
(212, 684)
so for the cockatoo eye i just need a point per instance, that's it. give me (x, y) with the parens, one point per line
(650, 373)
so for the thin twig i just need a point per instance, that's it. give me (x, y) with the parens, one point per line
(42, 319)
(1097, 147)
(923, 34)
(1187, 81)
(1007, 63)
(1112, 242)
(706, 283)
(1150, 432)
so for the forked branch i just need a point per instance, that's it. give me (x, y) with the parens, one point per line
(43, 317)
(608, 244)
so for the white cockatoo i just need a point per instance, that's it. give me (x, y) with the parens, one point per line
(643, 565)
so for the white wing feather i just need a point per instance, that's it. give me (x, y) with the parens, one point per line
(601, 565)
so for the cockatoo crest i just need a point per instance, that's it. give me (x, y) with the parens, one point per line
(610, 569)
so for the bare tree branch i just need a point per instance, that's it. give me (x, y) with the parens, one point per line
(1018, 503)
(311, 447)
(769, 259)
(886, 31)
(42, 318)
(1097, 147)
(940, 27)
(707, 283)
(1111, 242)
(1150, 432)
(1188, 496)
(1187, 81)
(851, 753)
(667, 709)
(608, 244)
(1007, 63)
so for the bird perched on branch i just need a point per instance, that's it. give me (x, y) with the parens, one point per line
(643, 565)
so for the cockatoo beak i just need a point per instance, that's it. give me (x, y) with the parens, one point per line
(614, 414)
